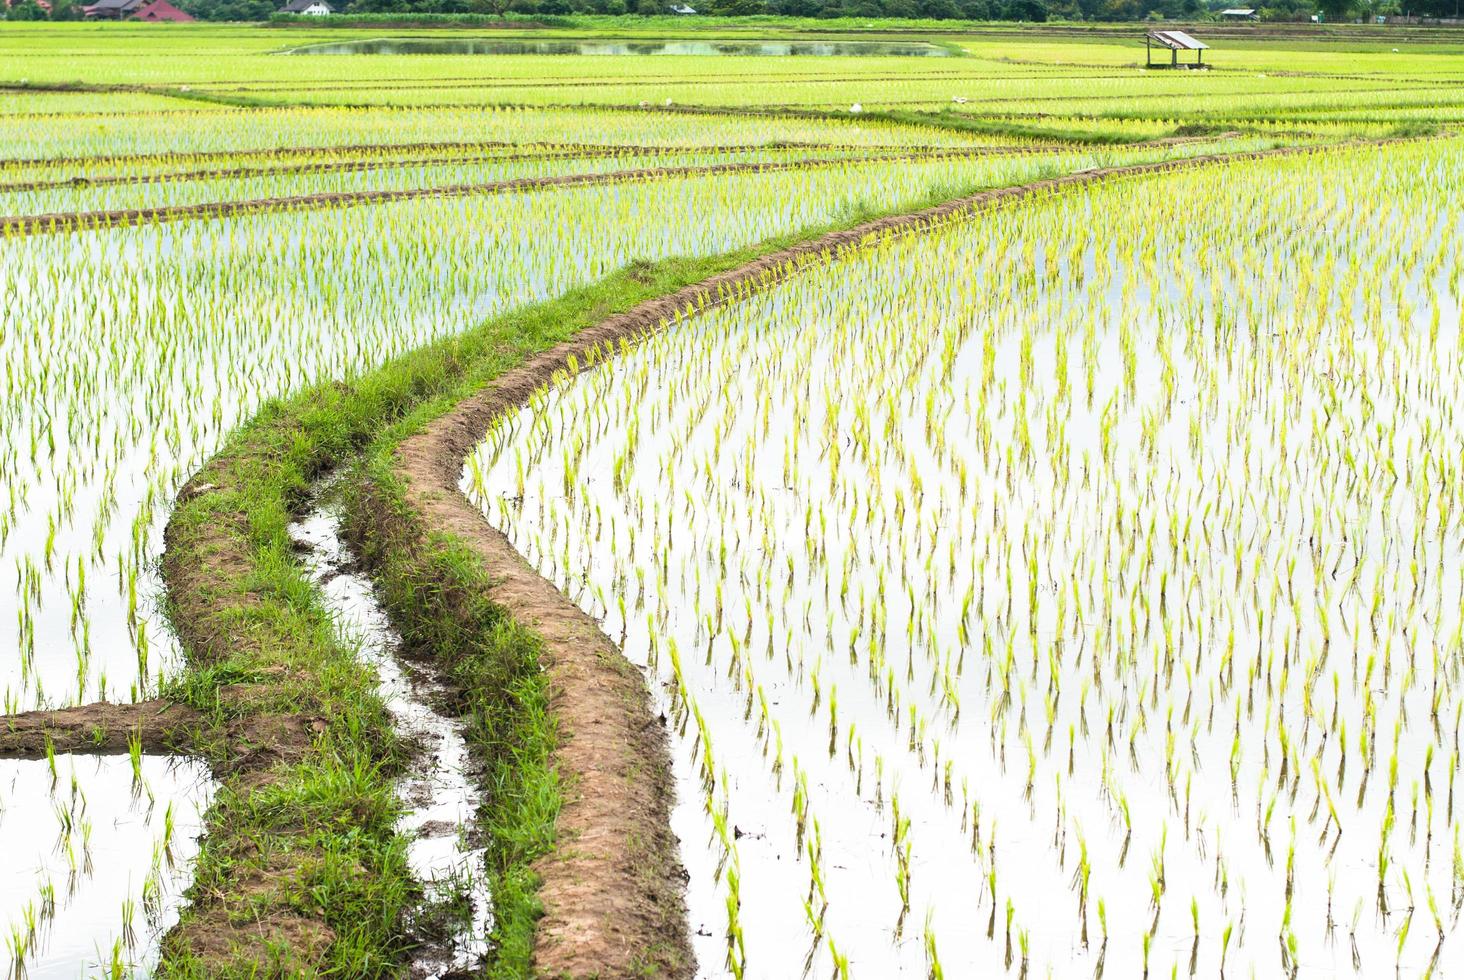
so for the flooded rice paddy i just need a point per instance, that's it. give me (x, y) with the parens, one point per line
(117, 394)
(98, 852)
(1073, 591)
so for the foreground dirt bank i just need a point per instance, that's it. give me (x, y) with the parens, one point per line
(102, 728)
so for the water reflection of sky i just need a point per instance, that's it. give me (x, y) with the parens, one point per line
(84, 842)
(841, 49)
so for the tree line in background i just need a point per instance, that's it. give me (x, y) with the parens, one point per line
(978, 10)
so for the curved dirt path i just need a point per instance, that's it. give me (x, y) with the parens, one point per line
(610, 888)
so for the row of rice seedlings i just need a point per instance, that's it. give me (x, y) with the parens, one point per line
(17, 102)
(415, 176)
(898, 88)
(1435, 115)
(146, 168)
(166, 133)
(105, 847)
(1086, 572)
(1289, 99)
(323, 160)
(164, 166)
(572, 72)
(1184, 95)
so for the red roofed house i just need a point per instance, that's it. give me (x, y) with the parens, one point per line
(150, 10)
(160, 10)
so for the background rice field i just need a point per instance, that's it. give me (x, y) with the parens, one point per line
(908, 547)
(976, 597)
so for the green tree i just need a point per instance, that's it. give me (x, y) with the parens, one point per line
(26, 10)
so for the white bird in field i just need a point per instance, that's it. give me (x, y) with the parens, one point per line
(856, 108)
(960, 100)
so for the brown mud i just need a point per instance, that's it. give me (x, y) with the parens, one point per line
(101, 728)
(239, 745)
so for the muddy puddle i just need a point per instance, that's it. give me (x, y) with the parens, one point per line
(438, 795)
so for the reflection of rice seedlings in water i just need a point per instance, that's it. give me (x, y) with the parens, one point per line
(93, 878)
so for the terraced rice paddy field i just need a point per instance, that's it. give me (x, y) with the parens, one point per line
(753, 505)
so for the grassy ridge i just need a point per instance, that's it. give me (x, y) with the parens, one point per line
(438, 596)
(311, 845)
(301, 838)
(303, 846)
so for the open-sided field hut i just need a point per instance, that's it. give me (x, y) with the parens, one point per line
(1175, 41)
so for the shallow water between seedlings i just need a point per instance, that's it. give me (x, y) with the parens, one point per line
(96, 860)
(439, 796)
(1139, 670)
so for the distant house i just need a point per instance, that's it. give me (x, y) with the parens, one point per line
(1239, 13)
(307, 8)
(146, 10)
(683, 9)
(110, 9)
(160, 10)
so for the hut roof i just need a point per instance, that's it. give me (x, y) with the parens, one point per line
(1177, 41)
